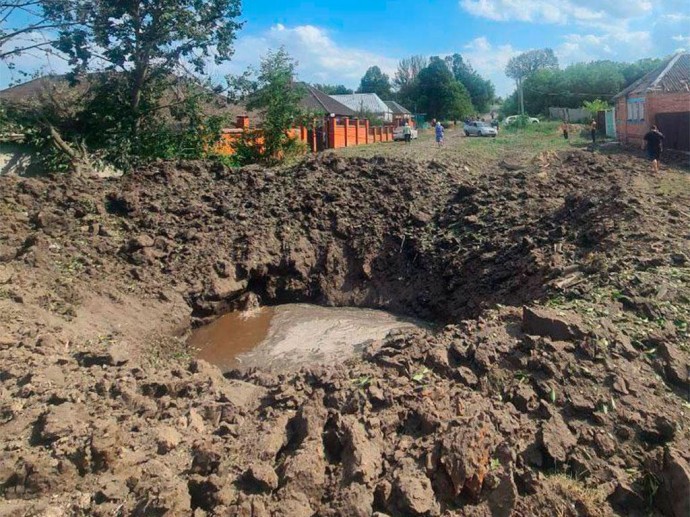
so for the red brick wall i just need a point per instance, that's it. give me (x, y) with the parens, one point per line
(633, 132)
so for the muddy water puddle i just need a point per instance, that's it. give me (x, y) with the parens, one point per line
(290, 336)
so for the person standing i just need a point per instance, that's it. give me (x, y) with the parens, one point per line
(407, 133)
(654, 140)
(439, 134)
(593, 131)
(565, 129)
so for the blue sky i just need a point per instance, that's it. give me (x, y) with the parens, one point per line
(335, 41)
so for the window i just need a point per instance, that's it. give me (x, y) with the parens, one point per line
(636, 110)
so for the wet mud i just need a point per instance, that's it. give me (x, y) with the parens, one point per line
(288, 337)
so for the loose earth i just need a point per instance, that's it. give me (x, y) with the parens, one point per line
(556, 385)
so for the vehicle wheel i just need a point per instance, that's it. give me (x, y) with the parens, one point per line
(467, 133)
(494, 136)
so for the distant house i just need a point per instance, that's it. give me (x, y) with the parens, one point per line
(400, 113)
(661, 98)
(315, 101)
(366, 104)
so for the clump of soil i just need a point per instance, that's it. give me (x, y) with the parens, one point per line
(576, 404)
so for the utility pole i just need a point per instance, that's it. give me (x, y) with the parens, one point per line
(521, 94)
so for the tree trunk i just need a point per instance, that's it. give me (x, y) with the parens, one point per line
(139, 81)
(521, 94)
(78, 159)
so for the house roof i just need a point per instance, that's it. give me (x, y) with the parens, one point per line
(318, 101)
(361, 102)
(60, 90)
(397, 109)
(672, 76)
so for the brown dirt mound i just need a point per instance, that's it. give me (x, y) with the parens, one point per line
(576, 405)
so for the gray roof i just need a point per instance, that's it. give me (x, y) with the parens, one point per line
(672, 76)
(363, 102)
(316, 100)
(397, 109)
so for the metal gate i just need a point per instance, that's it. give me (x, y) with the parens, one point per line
(676, 129)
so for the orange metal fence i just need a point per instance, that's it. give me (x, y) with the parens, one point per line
(334, 133)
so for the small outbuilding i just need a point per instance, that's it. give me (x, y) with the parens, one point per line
(661, 98)
(400, 113)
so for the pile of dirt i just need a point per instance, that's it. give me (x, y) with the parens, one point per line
(576, 404)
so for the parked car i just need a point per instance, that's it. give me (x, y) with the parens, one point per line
(398, 134)
(513, 118)
(480, 128)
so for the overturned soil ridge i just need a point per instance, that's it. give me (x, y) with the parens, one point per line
(576, 404)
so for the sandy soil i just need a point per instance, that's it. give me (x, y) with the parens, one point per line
(558, 384)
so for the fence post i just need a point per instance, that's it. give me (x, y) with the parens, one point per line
(357, 131)
(347, 130)
(366, 126)
(313, 144)
(331, 133)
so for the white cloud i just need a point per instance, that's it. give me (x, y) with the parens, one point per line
(683, 40)
(320, 58)
(585, 12)
(619, 45)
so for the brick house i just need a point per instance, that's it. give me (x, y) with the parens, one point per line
(662, 97)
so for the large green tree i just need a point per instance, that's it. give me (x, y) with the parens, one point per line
(144, 40)
(521, 67)
(439, 95)
(375, 81)
(482, 91)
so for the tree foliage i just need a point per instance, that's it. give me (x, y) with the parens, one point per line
(482, 91)
(408, 70)
(439, 95)
(145, 41)
(525, 64)
(276, 93)
(333, 89)
(145, 102)
(578, 83)
(375, 81)
(595, 106)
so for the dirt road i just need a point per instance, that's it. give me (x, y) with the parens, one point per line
(557, 385)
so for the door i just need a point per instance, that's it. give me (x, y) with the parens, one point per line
(676, 130)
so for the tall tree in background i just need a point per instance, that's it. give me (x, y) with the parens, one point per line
(145, 40)
(333, 89)
(522, 66)
(375, 81)
(482, 91)
(405, 80)
(408, 70)
(439, 95)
